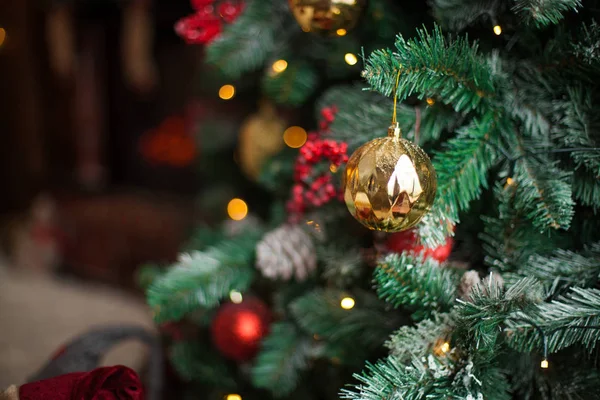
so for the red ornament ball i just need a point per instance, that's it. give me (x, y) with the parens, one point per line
(238, 329)
(407, 241)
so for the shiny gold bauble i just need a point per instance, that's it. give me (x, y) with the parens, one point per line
(389, 183)
(327, 16)
(261, 136)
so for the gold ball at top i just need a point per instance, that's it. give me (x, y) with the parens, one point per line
(390, 183)
(327, 16)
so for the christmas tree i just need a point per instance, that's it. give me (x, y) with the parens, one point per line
(489, 292)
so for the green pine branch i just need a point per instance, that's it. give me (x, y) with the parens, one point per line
(367, 323)
(202, 279)
(292, 86)
(245, 45)
(194, 361)
(561, 320)
(284, 355)
(545, 12)
(430, 65)
(450, 14)
(419, 285)
(586, 188)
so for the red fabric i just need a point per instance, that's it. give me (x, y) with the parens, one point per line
(107, 383)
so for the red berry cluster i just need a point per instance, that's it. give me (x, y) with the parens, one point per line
(206, 23)
(318, 159)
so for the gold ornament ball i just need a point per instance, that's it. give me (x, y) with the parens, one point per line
(389, 183)
(327, 16)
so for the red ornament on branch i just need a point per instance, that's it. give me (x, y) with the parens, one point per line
(407, 241)
(238, 329)
(317, 161)
(207, 22)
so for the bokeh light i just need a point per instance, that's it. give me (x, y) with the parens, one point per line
(279, 66)
(497, 30)
(227, 92)
(236, 297)
(347, 303)
(2, 36)
(341, 32)
(233, 397)
(350, 59)
(294, 137)
(237, 209)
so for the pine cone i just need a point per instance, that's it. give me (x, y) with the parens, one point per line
(285, 252)
(469, 280)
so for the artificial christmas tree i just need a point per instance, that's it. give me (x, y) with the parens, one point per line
(512, 133)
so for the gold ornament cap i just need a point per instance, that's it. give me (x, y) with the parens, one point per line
(389, 183)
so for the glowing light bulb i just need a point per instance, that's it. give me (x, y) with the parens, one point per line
(497, 30)
(333, 168)
(430, 101)
(347, 303)
(227, 92)
(544, 364)
(350, 59)
(237, 209)
(279, 66)
(295, 137)
(233, 397)
(445, 347)
(235, 297)
(509, 181)
(341, 32)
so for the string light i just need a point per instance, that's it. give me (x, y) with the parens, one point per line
(497, 30)
(233, 396)
(445, 347)
(509, 182)
(347, 303)
(430, 101)
(279, 66)
(341, 32)
(2, 36)
(235, 297)
(226, 92)
(333, 168)
(294, 137)
(544, 364)
(350, 59)
(237, 209)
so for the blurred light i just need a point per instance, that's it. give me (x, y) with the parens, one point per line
(497, 30)
(2, 36)
(347, 303)
(235, 297)
(336, 10)
(350, 59)
(227, 92)
(445, 347)
(544, 364)
(430, 101)
(237, 209)
(233, 397)
(333, 168)
(510, 181)
(294, 137)
(341, 32)
(279, 66)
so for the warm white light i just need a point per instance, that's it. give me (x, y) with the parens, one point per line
(341, 32)
(227, 92)
(295, 137)
(237, 209)
(497, 30)
(445, 347)
(279, 66)
(350, 59)
(510, 181)
(347, 303)
(235, 297)
(233, 397)
(544, 364)
(430, 101)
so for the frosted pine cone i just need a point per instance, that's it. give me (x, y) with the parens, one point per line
(469, 280)
(285, 252)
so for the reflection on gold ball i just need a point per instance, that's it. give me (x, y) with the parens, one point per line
(389, 184)
(327, 16)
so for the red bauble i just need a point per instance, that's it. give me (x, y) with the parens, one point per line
(407, 241)
(238, 329)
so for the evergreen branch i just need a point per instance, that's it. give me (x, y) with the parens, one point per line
(450, 14)
(193, 361)
(544, 193)
(489, 306)
(545, 12)
(432, 66)
(566, 382)
(586, 188)
(437, 225)
(587, 47)
(417, 284)
(292, 86)
(565, 268)
(202, 279)
(564, 321)
(283, 356)
(367, 323)
(417, 341)
(245, 45)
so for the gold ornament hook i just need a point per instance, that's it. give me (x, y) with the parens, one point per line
(394, 130)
